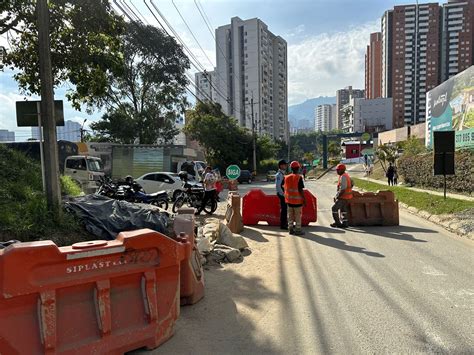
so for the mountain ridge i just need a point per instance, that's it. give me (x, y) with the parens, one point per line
(302, 115)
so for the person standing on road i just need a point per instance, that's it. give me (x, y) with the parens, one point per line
(343, 195)
(279, 180)
(209, 188)
(294, 197)
(304, 171)
(390, 174)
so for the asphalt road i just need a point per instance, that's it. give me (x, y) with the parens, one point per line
(405, 289)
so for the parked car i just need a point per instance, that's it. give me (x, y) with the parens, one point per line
(271, 175)
(245, 176)
(85, 171)
(159, 181)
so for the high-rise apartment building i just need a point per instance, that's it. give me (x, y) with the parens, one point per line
(373, 67)
(343, 97)
(323, 120)
(71, 131)
(252, 63)
(7, 136)
(206, 86)
(457, 42)
(368, 115)
(415, 60)
(387, 34)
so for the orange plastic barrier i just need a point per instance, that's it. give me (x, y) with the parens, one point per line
(373, 209)
(192, 274)
(100, 297)
(260, 207)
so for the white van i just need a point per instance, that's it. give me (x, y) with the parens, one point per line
(86, 171)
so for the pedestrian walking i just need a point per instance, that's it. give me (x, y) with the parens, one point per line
(209, 182)
(395, 175)
(341, 201)
(390, 173)
(304, 172)
(279, 181)
(294, 197)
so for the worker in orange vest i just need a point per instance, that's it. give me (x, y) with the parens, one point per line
(294, 198)
(344, 194)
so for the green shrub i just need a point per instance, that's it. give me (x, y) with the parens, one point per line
(69, 187)
(417, 170)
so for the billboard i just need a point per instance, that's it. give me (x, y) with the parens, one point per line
(450, 106)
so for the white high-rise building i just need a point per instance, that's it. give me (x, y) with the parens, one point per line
(324, 117)
(7, 136)
(206, 85)
(252, 63)
(71, 131)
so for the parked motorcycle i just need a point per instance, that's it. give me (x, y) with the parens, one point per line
(192, 197)
(131, 191)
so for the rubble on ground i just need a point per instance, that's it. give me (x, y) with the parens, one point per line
(218, 244)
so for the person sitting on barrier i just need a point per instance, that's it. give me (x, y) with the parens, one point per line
(279, 180)
(294, 197)
(209, 188)
(344, 193)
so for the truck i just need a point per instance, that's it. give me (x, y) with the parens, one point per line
(86, 171)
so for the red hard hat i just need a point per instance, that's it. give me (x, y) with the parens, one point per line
(295, 165)
(340, 167)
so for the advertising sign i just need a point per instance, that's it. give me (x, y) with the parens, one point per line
(450, 106)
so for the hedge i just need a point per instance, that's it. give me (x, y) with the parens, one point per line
(418, 171)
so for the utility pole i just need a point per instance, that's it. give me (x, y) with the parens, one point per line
(82, 130)
(254, 141)
(51, 165)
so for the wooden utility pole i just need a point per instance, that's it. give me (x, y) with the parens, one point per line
(51, 164)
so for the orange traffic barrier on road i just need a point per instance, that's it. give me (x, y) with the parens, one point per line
(98, 297)
(371, 209)
(233, 217)
(260, 207)
(192, 274)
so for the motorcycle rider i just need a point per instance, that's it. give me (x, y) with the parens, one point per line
(209, 182)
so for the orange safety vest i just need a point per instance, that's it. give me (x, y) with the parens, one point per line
(347, 194)
(292, 194)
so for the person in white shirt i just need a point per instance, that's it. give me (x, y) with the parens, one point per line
(209, 182)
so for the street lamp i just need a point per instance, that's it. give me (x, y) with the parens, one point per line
(82, 130)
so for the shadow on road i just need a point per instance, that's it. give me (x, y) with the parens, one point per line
(397, 232)
(217, 324)
(339, 244)
(254, 235)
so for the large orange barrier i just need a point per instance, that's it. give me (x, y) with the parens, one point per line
(192, 274)
(99, 297)
(260, 207)
(372, 209)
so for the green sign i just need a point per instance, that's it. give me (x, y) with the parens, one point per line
(365, 137)
(315, 162)
(232, 172)
(465, 138)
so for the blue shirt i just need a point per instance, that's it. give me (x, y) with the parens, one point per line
(279, 179)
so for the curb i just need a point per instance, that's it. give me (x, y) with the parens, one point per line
(451, 224)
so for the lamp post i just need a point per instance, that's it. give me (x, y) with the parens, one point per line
(82, 130)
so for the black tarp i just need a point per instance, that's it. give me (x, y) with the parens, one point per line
(105, 217)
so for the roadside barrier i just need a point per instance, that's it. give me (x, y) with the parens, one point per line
(260, 207)
(192, 274)
(233, 217)
(373, 209)
(98, 297)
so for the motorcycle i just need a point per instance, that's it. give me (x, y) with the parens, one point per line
(132, 192)
(192, 196)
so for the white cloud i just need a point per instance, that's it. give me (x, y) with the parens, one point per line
(319, 65)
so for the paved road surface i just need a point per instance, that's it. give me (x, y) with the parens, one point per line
(406, 289)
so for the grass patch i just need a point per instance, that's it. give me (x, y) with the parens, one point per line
(23, 210)
(425, 201)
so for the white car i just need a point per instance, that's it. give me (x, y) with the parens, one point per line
(158, 181)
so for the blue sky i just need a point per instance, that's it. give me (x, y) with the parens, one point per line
(326, 43)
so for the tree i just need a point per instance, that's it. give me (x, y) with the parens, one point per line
(386, 154)
(149, 96)
(267, 148)
(223, 140)
(413, 146)
(85, 46)
(308, 157)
